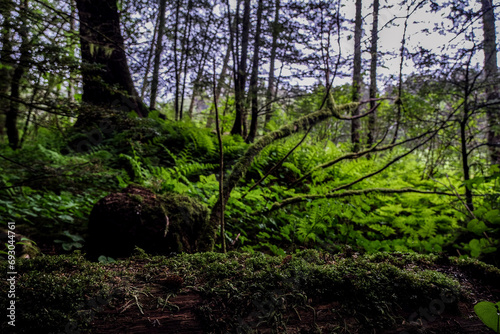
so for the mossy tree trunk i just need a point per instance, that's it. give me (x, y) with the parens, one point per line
(241, 167)
(107, 81)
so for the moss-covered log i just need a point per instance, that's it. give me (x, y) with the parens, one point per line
(307, 292)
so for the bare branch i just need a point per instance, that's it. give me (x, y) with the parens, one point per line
(298, 199)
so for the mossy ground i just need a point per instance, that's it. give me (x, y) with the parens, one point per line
(308, 292)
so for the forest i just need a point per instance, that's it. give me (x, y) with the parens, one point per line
(238, 166)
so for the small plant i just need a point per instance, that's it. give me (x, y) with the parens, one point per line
(70, 241)
(105, 259)
(489, 314)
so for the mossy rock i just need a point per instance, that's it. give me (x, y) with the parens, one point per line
(137, 217)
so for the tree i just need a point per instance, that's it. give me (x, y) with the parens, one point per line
(240, 71)
(158, 51)
(254, 83)
(15, 84)
(491, 73)
(107, 82)
(356, 77)
(373, 74)
(271, 88)
(6, 60)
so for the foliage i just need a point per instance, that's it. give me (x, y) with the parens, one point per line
(489, 313)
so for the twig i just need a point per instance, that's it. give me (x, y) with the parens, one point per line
(138, 304)
(221, 167)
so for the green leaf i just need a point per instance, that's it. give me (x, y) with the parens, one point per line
(493, 216)
(105, 259)
(489, 314)
(74, 237)
(476, 226)
(66, 218)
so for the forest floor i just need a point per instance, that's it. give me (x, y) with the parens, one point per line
(318, 316)
(308, 292)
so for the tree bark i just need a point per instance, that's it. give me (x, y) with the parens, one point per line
(107, 82)
(356, 77)
(372, 119)
(72, 47)
(254, 78)
(185, 54)
(15, 85)
(239, 84)
(176, 61)
(5, 60)
(274, 46)
(158, 51)
(491, 73)
(463, 140)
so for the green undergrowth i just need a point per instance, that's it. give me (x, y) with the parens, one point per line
(49, 189)
(241, 292)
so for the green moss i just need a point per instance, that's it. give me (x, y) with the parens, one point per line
(243, 292)
(188, 220)
(159, 224)
(137, 198)
(52, 292)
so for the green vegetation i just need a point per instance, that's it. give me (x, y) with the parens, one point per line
(398, 208)
(489, 313)
(259, 291)
(244, 166)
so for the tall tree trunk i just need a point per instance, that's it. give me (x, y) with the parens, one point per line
(158, 51)
(185, 54)
(356, 77)
(73, 32)
(5, 60)
(491, 73)
(274, 46)
(399, 102)
(176, 60)
(254, 78)
(150, 58)
(239, 89)
(372, 119)
(15, 85)
(107, 82)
